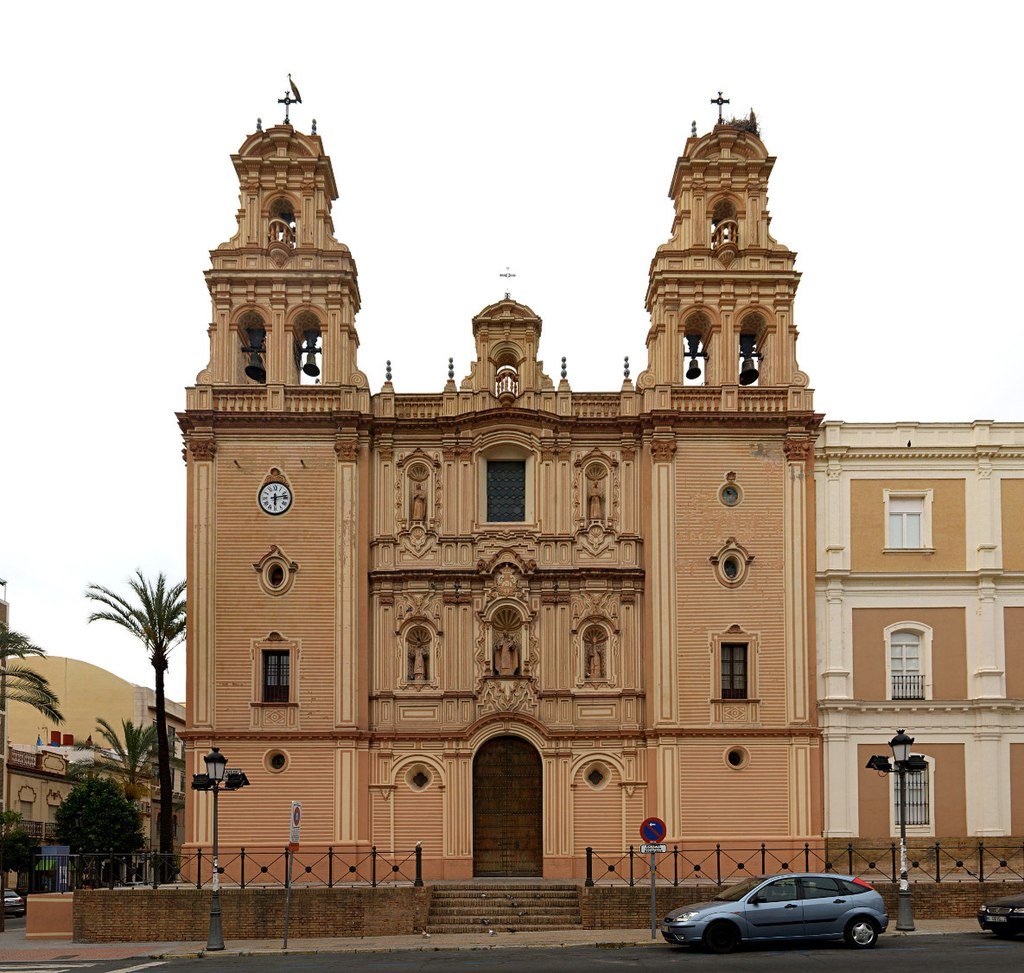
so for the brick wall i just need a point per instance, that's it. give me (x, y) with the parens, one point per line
(621, 907)
(141, 915)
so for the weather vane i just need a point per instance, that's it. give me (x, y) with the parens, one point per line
(293, 99)
(507, 274)
(714, 101)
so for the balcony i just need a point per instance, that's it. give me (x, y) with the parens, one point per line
(40, 830)
(908, 686)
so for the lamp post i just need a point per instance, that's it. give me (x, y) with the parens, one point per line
(901, 744)
(215, 765)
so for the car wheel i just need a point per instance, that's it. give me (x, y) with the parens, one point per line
(861, 933)
(721, 937)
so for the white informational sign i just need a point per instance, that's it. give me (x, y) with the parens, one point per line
(296, 821)
(652, 849)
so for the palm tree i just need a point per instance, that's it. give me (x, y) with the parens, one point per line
(155, 614)
(133, 752)
(20, 684)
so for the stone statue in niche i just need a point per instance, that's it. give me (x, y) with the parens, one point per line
(418, 646)
(595, 493)
(418, 494)
(506, 655)
(595, 644)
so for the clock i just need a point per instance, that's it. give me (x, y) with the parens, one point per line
(275, 498)
(730, 496)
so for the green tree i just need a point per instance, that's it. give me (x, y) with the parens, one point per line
(134, 751)
(155, 614)
(20, 684)
(9, 821)
(96, 817)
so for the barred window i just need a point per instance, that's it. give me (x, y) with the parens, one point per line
(734, 670)
(918, 808)
(276, 676)
(905, 665)
(506, 491)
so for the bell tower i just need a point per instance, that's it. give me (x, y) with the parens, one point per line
(284, 290)
(721, 290)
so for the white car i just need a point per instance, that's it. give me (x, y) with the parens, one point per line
(14, 904)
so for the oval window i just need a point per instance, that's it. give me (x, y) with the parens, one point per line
(275, 576)
(731, 568)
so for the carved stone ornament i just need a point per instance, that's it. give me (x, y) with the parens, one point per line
(347, 448)
(275, 571)
(798, 450)
(508, 696)
(662, 450)
(731, 562)
(202, 447)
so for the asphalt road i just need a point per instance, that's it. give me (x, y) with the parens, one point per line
(919, 954)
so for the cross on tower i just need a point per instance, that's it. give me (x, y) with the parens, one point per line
(507, 274)
(293, 98)
(719, 101)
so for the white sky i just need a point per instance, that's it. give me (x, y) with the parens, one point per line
(466, 137)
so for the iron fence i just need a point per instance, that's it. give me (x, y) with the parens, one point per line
(720, 865)
(241, 869)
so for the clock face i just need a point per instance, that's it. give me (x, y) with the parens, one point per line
(275, 498)
(730, 496)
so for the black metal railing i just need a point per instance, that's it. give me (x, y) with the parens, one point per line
(721, 865)
(237, 869)
(908, 687)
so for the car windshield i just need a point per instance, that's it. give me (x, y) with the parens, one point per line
(736, 892)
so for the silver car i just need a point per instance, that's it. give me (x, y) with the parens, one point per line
(808, 906)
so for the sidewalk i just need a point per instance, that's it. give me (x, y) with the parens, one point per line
(14, 946)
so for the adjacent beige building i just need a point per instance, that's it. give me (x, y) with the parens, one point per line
(920, 623)
(87, 692)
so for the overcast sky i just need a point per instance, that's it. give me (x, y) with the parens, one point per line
(468, 137)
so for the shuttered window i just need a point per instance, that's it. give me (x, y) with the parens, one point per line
(506, 491)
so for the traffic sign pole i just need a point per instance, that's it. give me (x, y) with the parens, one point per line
(653, 830)
(294, 824)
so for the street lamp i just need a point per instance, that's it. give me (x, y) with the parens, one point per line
(213, 780)
(901, 744)
(903, 763)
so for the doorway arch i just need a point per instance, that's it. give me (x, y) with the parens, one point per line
(508, 821)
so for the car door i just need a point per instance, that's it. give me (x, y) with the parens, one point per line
(825, 905)
(775, 911)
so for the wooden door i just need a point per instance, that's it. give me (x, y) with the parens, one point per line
(507, 811)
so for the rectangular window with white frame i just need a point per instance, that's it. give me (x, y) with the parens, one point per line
(908, 521)
(905, 666)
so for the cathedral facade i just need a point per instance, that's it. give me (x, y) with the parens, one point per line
(504, 619)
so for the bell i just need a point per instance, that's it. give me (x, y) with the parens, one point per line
(693, 372)
(748, 372)
(255, 369)
(310, 367)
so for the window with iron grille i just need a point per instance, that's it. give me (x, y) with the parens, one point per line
(276, 676)
(734, 670)
(918, 809)
(506, 491)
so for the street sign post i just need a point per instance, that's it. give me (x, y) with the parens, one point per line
(653, 831)
(294, 825)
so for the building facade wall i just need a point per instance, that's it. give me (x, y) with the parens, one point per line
(418, 632)
(961, 595)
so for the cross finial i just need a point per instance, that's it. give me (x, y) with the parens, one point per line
(507, 274)
(719, 101)
(290, 98)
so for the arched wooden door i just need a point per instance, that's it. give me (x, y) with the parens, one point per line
(507, 809)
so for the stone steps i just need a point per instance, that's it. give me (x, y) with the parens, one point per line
(504, 907)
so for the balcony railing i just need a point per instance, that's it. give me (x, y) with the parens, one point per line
(908, 686)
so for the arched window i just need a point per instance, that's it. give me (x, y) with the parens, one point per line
(308, 353)
(906, 665)
(724, 228)
(417, 648)
(283, 227)
(253, 334)
(695, 333)
(506, 377)
(751, 329)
